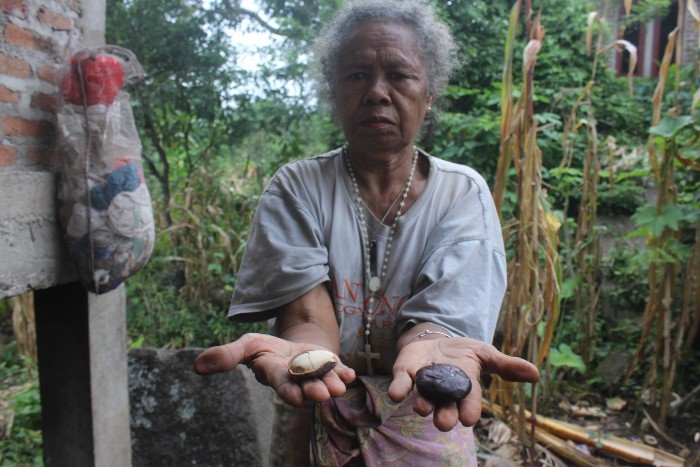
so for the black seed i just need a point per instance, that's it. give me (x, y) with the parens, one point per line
(442, 383)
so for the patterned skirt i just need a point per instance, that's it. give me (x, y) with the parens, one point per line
(364, 427)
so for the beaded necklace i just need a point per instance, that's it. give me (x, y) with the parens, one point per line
(375, 281)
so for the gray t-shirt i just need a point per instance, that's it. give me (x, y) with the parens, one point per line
(447, 264)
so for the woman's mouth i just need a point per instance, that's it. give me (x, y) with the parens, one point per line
(376, 122)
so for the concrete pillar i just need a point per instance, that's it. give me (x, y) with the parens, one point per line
(93, 21)
(109, 384)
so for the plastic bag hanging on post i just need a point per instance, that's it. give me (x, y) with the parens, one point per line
(105, 206)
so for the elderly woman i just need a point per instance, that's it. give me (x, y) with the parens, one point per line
(379, 252)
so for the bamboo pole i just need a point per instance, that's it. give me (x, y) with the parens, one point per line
(605, 442)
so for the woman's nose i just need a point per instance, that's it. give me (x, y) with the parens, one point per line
(378, 92)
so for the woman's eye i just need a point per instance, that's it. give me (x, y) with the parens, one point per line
(397, 76)
(357, 76)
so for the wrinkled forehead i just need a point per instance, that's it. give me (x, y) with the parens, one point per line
(395, 44)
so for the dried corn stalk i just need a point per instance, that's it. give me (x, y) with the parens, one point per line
(586, 244)
(669, 336)
(533, 292)
(23, 324)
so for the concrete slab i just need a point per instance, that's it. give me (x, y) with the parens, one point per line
(32, 255)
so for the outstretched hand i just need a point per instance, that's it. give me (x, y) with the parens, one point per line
(472, 356)
(268, 357)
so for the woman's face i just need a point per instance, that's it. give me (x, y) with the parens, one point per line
(381, 88)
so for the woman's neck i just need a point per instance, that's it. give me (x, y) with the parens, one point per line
(382, 177)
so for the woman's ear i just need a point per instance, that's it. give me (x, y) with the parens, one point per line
(430, 101)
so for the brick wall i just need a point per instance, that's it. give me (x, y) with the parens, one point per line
(33, 41)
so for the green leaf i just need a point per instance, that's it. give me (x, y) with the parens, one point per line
(137, 343)
(214, 267)
(636, 173)
(647, 218)
(670, 126)
(568, 288)
(565, 357)
(540, 329)
(672, 215)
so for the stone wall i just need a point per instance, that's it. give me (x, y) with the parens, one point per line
(179, 418)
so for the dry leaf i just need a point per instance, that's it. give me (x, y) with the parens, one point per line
(615, 403)
(499, 433)
(632, 49)
(592, 16)
(628, 7)
(553, 221)
(587, 412)
(530, 55)
(507, 455)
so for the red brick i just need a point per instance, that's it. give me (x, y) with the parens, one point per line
(18, 126)
(14, 7)
(8, 155)
(43, 101)
(19, 36)
(55, 20)
(14, 66)
(50, 74)
(25, 38)
(8, 95)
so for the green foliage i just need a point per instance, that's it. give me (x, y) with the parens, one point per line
(564, 357)
(646, 11)
(670, 127)
(652, 222)
(626, 271)
(19, 382)
(180, 299)
(622, 199)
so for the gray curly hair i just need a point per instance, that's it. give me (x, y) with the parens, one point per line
(437, 45)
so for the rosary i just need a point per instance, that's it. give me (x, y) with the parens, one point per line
(374, 281)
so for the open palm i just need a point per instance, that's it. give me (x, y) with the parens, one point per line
(472, 356)
(268, 357)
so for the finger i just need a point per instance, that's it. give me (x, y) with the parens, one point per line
(314, 390)
(290, 392)
(279, 379)
(445, 417)
(346, 374)
(225, 357)
(400, 386)
(470, 407)
(507, 367)
(334, 384)
(421, 405)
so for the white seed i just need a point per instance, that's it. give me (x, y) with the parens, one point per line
(312, 363)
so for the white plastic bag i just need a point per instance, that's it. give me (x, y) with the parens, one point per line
(105, 207)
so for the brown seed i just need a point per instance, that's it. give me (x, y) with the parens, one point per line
(442, 383)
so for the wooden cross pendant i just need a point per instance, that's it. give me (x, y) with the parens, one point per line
(369, 356)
